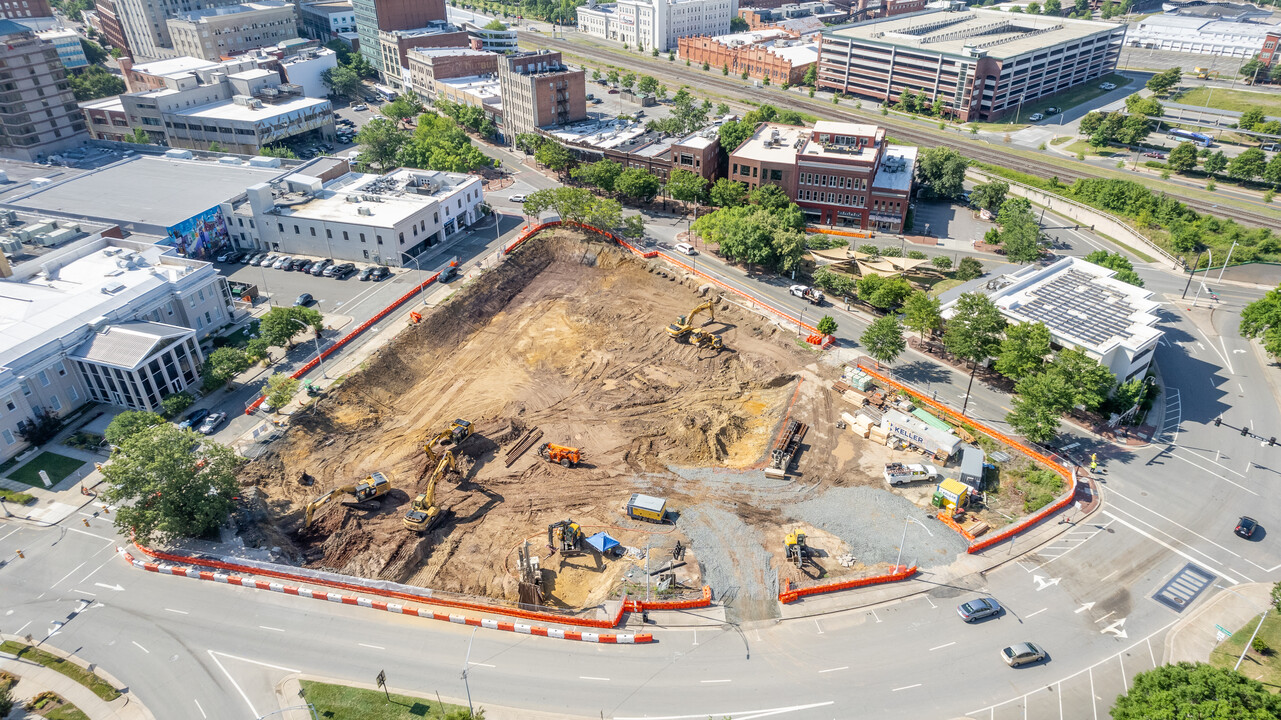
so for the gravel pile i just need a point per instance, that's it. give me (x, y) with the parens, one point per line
(871, 521)
(733, 561)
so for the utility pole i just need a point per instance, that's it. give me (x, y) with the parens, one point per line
(1194, 267)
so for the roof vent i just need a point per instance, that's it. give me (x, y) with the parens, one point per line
(362, 210)
(113, 288)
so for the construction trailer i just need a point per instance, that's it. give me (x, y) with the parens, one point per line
(647, 508)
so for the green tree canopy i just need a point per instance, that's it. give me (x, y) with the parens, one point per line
(990, 196)
(975, 329)
(1042, 399)
(279, 326)
(438, 143)
(1262, 318)
(1248, 165)
(969, 269)
(729, 193)
(1196, 690)
(342, 81)
(686, 186)
(770, 197)
(1162, 82)
(1216, 163)
(826, 325)
(1251, 117)
(169, 483)
(942, 171)
(223, 364)
(634, 227)
(638, 184)
(922, 313)
(1182, 158)
(280, 389)
(1118, 262)
(403, 107)
(882, 292)
(1019, 234)
(554, 156)
(756, 235)
(130, 423)
(942, 262)
(380, 142)
(647, 85)
(94, 82)
(1023, 351)
(175, 403)
(1090, 382)
(576, 205)
(884, 339)
(601, 174)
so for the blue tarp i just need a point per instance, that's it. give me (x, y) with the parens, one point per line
(602, 542)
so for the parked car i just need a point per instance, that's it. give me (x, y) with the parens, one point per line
(194, 419)
(364, 274)
(379, 273)
(360, 107)
(1053, 110)
(342, 271)
(212, 422)
(805, 292)
(248, 258)
(321, 266)
(1246, 526)
(305, 266)
(685, 248)
(1036, 117)
(1157, 155)
(978, 609)
(1271, 147)
(281, 262)
(304, 300)
(293, 264)
(516, 198)
(1022, 654)
(267, 261)
(613, 91)
(1108, 86)
(230, 256)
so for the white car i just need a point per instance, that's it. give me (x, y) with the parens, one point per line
(685, 248)
(280, 262)
(1108, 86)
(1036, 117)
(516, 198)
(360, 107)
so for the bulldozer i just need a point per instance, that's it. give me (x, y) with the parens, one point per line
(565, 537)
(423, 513)
(566, 456)
(374, 486)
(685, 323)
(704, 339)
(457, 432)
(798, 553)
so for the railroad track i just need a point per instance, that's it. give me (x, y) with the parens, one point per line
(663, 69)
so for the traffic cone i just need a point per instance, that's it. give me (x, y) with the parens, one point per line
(85, 521)
(20, 554)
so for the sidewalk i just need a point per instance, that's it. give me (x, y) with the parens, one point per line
(289, 694)
(1194, 636)
(55, 504)
(35, 678)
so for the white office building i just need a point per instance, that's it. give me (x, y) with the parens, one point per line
(1199, 35)
(70, 51)
(1084, 307)
(107, 320)
(359, 217)
(655, 23)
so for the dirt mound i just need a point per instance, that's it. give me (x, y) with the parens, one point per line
(568, 335)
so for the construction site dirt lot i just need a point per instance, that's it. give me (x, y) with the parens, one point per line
(568, 336)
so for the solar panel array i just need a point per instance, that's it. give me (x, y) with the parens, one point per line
(1074, 304)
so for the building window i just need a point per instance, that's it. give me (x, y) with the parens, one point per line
(362, 237)
(26, 389)
(344, 235)
(73, 393)
(9, 405)
(296, 232)
(280, 227)
(44, 378)
(55, 402)
(8, 437)
(329, 233)
(313, 232)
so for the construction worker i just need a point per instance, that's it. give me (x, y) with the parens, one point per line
(1094, 462)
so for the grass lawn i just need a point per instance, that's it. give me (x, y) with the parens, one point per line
(57, 466)
(1238, 100)
(1265, 669)
(1084, 146)
(1072, 97)
(943, 286)
(16, 497)
(1061, 139)
(67, 712)
(341, 702)
(239, 338)
(100, 687)
(996, 126)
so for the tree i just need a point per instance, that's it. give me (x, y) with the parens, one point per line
(969, 269)
(1090, 382)
(974, 331)
(756, 235)
(1262, 318)
(575, 205)
(882, 292)
(280, 390)
(638, 184)
(884, 339)
(342, 81)
(1162, 82)
(730, 193)
(634, 227)
(602, 174)
(1052, 7)
(1019, 233)
(628, 81)
(826, 325)
(94, 82)
(138, 137)
(990, 196)
(341, 49)
(362, 67)
(529, 142)
(647, 85)
(942, 170)
(942, 262)
(279, 326)
(554, 156)
(169, 483)
(770, 197)
(172, 405)
(279, 151)
(811, 75)
(1216, 163)
(1034, 8)
(381, 142)
(223, 364)
(737, 24)
(130, 423)
(1118, 262)
(1251, 118)
(921, 313)
(1248, 165)
(403, 107)
(1042, 399)
(838, 284)
(612, 77)
(734, 133)
(686, 186)
(1195, 690)
(1023, 351)
(495, 24)
(93, 51)
(1182, 158)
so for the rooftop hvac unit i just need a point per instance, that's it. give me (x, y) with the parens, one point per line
(69, 225)
(112, 251)
(10, 217)
(99, 323)
(112, 288)
(10, 245)
(362, 210)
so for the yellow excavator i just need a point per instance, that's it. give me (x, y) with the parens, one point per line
(565, 537)
(374, 486)
(423, 514)
(798, 552)
(457, 432)
(685, 324)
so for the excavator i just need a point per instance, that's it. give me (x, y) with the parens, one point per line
(423, 514)
(685, 324)
(566, 537)
(798, 552)
(374, 486)
(457, 432)
(566, 456)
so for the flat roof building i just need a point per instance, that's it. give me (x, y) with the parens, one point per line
(151, 75)
(1084, 307)
(386, 219)
(396, 45)
(839, 173)
(980, 64)
(218, 32)
(1199, 35)
(632, 146)
(23, 9)
(540, 91)
(773, 54)
(650, 24)
(70, 51)
(428, 66)
(374, 16)
(324, 20)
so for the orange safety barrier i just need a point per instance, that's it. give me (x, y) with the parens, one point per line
(1028, 522)
(790, 595)
(834, 231)
(639, 605)
(946, 518)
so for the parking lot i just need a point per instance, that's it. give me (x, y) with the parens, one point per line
(332, 296)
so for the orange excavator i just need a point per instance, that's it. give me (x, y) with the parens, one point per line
(566, 456)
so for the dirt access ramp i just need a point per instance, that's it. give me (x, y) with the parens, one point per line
(566, 335)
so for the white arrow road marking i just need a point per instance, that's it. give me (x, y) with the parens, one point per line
(739, 715)
(117, 588)
(1042, 583)
(1084, 607)
(1116, 628)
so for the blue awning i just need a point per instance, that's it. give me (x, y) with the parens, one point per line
(602, 542)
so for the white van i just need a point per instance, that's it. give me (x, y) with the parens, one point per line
(685, 248)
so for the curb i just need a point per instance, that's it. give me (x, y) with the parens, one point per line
(518, 628)
(790, 595)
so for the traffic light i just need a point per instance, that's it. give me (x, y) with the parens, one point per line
(1245, 431)
(1218, 421)
(1272, 441)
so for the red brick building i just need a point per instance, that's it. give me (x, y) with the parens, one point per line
(1269, 54)
(770, 53)
(21, 9)
(842, 174)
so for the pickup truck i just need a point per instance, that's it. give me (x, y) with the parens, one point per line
(898, 473)
(815, 297)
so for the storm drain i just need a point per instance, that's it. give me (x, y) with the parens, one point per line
(1184, 587)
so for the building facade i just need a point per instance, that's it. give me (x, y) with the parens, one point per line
(38, 113)
(839, 173)
(67, 43)
(499, 41)
(387, 219)
(769, 54)
(632, 146)
(107, 119)
(980, 64)
(657, 24)
(396, 44)
(145, 27)
(117, 321)
(324, 20)
(307, 69)
(539, 91)
(109, 21)
(23, 9)
(152, 75)
(373, 16)
(218, 32)
(427, 66)
(1199, 35)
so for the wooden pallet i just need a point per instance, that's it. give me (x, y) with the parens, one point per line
(523, 445)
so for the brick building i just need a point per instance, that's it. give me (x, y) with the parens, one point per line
(772, 54)
(109, 23)
(539, 90)
(1269, 54)
(396, 44)
(22, 9)
(839, 173)
(374, 16)
(107, 119)
(632, 146)
(429, 65)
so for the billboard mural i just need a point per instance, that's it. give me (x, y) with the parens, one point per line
(200, 237)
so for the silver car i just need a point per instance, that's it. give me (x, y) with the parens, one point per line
(1022, 654)
(212, 422)
(280, 262)
(978, 608)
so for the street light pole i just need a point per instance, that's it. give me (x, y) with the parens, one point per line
(903, 541)
(320, 360)
(466, 666)
(1225, 262)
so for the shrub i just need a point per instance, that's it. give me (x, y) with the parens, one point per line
(827, 326)
(41, 429)
(176, 403)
